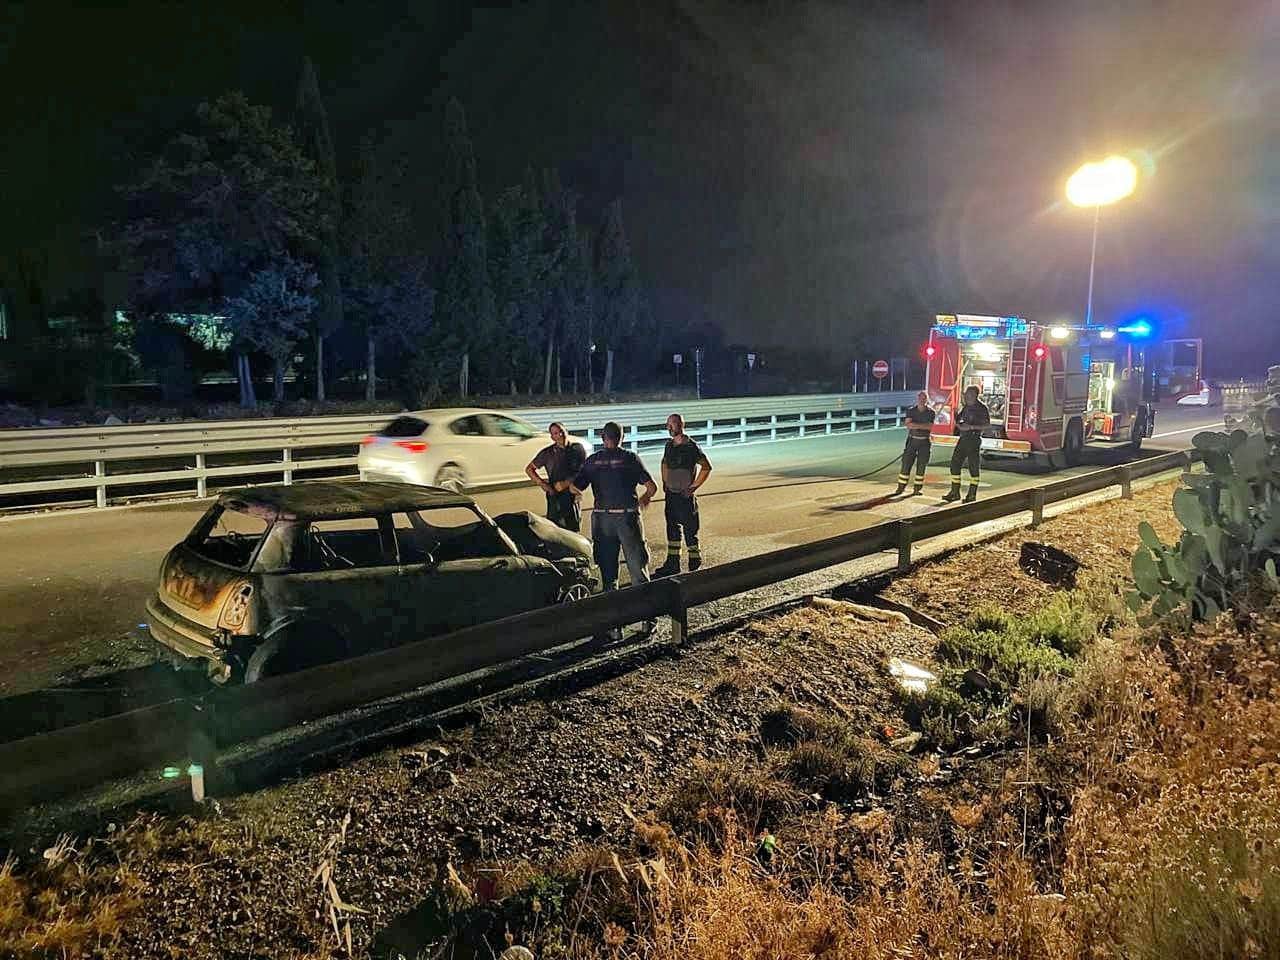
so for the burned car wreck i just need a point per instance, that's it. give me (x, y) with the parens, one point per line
(278, 578)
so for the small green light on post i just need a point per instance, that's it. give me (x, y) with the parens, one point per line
(171, 773)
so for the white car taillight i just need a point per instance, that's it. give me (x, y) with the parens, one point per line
(236, 609)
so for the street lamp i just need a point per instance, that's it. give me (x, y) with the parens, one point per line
(1097, 185)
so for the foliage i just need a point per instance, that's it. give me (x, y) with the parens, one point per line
(217, 204)
(272, 312)
(464, 302)
(1231, 522)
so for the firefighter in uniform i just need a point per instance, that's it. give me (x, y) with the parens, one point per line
(973, 418)
(614, 474)
(919, 418)
(685, 468)
(561, 460)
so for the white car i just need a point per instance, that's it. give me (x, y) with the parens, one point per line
(458, 449)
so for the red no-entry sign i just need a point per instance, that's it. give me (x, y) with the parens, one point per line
(880, 369)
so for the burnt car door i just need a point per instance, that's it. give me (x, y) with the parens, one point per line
(457, 569)
(341, 577)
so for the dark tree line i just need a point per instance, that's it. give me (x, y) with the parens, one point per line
(239, 238)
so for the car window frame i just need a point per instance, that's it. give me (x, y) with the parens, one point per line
(496, 418)
(385, 526)
(470, 416)
(207, 522)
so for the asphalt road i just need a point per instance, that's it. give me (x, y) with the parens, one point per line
(73, 584)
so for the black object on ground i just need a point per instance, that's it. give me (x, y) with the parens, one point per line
(1053, 566)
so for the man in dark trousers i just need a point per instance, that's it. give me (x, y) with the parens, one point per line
(561, 460)
(973, 418)
(919, 418)
(685, 468)
(614, 474)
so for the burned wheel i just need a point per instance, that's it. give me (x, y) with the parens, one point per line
(573, 592)
(294, 648)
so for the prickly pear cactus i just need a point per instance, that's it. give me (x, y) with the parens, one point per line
(1230, 516)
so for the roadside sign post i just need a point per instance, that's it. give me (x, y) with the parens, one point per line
(677, 359)
(880, 370)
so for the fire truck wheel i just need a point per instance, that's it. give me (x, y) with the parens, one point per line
(1137, 432)
(1073, 443)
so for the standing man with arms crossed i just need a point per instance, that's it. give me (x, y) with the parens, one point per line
(680, 461)
(562, 461)
(919, 418)
(614, 474)
(973, 418)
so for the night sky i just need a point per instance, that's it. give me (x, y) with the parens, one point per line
(788, 170)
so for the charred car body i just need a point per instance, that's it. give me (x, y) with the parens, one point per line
(279, 578)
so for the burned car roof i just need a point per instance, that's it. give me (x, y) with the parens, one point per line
(334, 499)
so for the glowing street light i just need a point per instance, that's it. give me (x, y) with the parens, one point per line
(1102, 183)
(1097, 185)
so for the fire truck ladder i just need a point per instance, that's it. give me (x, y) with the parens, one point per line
(1014, 403)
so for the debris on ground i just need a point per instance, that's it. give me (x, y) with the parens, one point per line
(1049, 564)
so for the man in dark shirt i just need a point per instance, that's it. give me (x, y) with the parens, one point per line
(919, 419)
(685, 468)
(973, 418)
(613, 474)
(562, 461)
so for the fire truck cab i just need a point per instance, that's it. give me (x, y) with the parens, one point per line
(1050, 389)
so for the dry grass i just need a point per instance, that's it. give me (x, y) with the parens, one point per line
(73, 900)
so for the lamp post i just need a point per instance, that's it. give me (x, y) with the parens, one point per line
(1098, 185)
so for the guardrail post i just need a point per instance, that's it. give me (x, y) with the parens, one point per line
(828, 423)
(1187, 462)
(679, 615)
(742, 429)
(1126, 483)
(711, 429)
(202, 482)
(802, 424)
(635, 438)
(1037, 508)
(877, 426)
(288, 470)
(904, 546)
(773, 426)
(897, 422)
(202, 753)
(100, 492)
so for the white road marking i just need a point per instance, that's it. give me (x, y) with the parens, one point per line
(1202, 426)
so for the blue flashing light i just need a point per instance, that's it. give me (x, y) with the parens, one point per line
(1139, 328)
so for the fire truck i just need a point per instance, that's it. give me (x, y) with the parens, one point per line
(1050, 388)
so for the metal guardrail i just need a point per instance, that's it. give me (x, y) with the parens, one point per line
(44, 766)
(185, 453)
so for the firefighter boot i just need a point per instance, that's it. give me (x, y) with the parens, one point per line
(670, 566)
(901, 487)
(917, 489)
(972, 494)
(953, 494)
(695, 559)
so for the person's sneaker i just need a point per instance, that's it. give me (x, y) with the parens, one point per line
(694, 563)
(670, 567)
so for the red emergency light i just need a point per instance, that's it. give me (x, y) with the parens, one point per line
(1039, 351)
(930, 350)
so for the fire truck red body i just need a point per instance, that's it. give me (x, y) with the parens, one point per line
(1050, 389)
